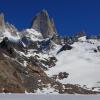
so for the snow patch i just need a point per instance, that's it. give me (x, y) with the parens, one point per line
(48, 90)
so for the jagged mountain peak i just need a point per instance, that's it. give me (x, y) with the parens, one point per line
(44, 24)
(45, 12)
(2, 22)
(1, 15)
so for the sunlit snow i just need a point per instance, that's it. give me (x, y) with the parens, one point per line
(82, 64)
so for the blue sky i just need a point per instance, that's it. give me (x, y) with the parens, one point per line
(70, 16)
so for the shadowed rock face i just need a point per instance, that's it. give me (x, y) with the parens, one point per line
(42, 23)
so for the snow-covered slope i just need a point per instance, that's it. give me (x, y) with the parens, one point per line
(82, 63)
(7, 33)
(32, 34)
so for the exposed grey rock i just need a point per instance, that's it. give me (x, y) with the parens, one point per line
(42, 23)
(80, 34)
(65, 47)
(2, 26)
(98, 48)
(2, 22)
(61, 75)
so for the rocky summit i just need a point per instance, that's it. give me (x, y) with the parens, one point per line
(44, 24)
(37, 60)
(2, 23)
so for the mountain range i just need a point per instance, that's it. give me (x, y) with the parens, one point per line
(38, 60)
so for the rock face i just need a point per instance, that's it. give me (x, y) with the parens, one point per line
(11, 28)
(42, 23)
(65, 47)
(2, 23)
